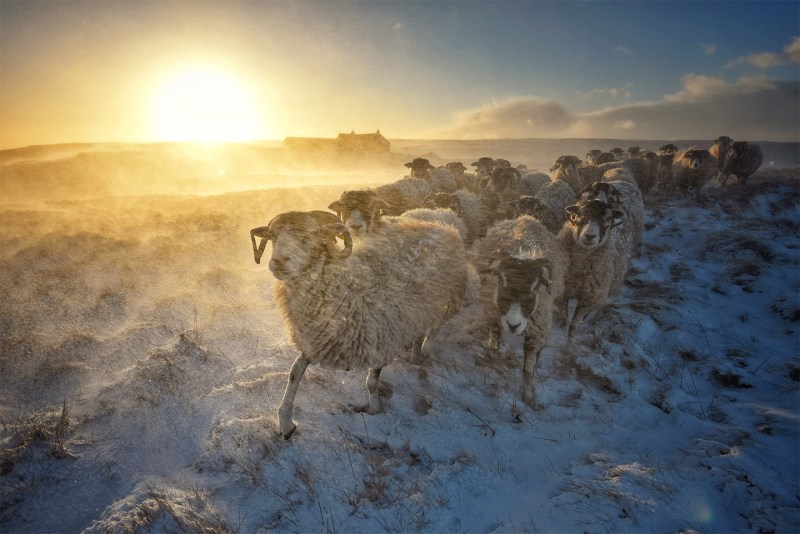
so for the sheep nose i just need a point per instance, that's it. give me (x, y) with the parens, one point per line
(513, 327)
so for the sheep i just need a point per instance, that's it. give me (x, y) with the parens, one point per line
(501, 188)
(599, 255)
(691, 170)
(501, 163)
(441, 179)
(566, 169)
(358, 307)
(361, 210)
(623, 195)
(668, 148)
(548, 206)
(457, 169)
(618, 153)
(634, 151)
(618, 173)
(483, 167)
(420, 168)
(742, 160)
(643, 172)
(532, 182)
(719, 150)
(592, 155)
(466, 205)
(605, 157)
(522, 268)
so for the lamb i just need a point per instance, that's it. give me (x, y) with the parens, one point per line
(522, 268)
(466, 205)
(566, 169)
(599, 255)
(719, 150)
(691, 170)
(742, 160)
(334, 301)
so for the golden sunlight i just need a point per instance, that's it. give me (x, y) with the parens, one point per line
(204, 104)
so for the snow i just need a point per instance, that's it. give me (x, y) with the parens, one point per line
(143, 362)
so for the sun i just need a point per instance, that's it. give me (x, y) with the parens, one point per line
(204, 104)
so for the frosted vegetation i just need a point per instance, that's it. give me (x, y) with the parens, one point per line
(142, 362)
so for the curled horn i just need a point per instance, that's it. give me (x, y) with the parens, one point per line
(265, 234)
(339, 230)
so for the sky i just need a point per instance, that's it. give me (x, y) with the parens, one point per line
(136, 71)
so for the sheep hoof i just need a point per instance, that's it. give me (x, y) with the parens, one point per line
(288, 434)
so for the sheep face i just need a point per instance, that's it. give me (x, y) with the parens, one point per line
(483, 167)
(518, 290)
(300, 240)
(525, 205)
(420, 168)
(591, 223)
(568, 164)
(696, 158)
(359, 210)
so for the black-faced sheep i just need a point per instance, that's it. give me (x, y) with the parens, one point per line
(619, 154)
(501, 188)
(634, 151)
(719, 150)
(691, 170)
(335, 301)
(599, 255)
(592, 155)
(668, 148)
(522, 266)
(419, 168)
(483, 167)
(623, 195)
(362, 209)
(742, 160)
(566, 169)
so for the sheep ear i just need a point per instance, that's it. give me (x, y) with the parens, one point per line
(265, 234)
(335, 206)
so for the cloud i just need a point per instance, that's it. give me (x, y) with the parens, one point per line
(709, 49)
(768, 60)
(754, 108)
(613, 92)
(623, 50)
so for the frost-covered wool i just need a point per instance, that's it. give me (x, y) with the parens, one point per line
(442, 179)
(403, 195)
(466, 205)
(364, 311)
(556, 196)
(596, 268)
(523, 267)
(440, 216)
(532, 182)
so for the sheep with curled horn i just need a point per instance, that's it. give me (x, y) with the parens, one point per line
(742, 160)
(334, 300)
(691, 170)
(633, 151)
(618, 153)
(483, 167)
(522, 266)
(592, 155)
(623, 195)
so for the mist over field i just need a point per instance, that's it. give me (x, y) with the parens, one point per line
(142, 361)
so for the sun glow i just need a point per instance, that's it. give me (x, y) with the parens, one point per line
(204, 104)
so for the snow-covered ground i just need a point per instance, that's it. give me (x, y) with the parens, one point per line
(143, 361)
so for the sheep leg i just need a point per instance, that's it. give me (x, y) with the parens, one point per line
(581, 311)
(287, 426)
(373, 377)
(536, 336)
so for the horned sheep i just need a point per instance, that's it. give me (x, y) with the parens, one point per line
(522, 266)
(548, 205)
(719, 150)
(334, 300)
(691, 170)
(566, 169)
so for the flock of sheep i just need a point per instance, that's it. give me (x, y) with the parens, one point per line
(361, 286)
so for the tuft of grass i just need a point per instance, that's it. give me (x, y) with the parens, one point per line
(44, 429)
